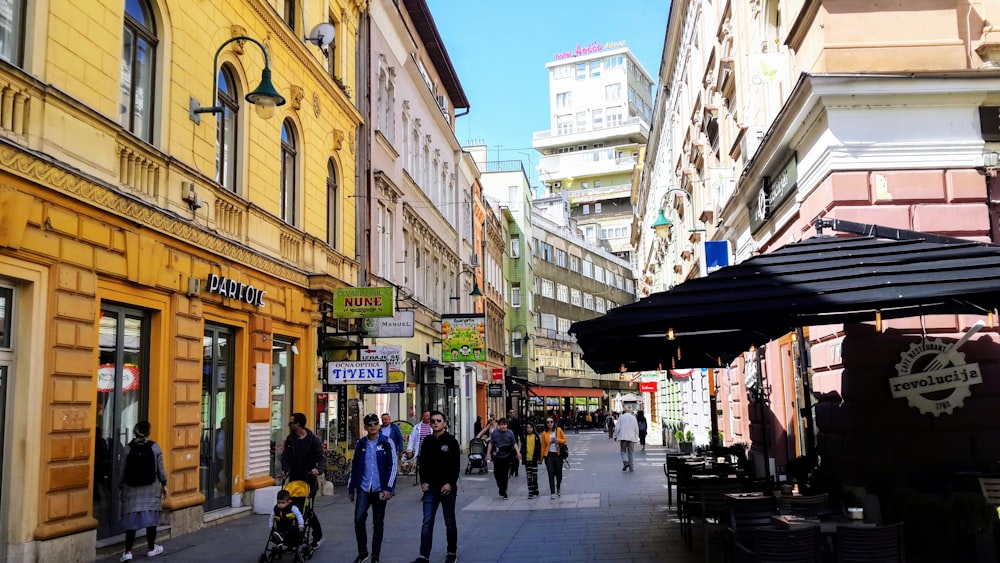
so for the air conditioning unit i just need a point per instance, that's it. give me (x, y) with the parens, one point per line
(474, 260)
(751, 140)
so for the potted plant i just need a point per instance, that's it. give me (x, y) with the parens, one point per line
(685, 441)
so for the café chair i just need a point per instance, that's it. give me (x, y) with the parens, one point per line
(670, 470)
(746, 516)
(807, 506)
(714, 506)
(773, 545)
(991, 489)
(860, 544)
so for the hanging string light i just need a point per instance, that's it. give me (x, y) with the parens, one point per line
(670, 333)
(878, 320)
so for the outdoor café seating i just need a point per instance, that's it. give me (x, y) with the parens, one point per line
(776, 545)
(854, 544)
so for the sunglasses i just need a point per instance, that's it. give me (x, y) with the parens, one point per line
(437, 421)
(550, 421)
(371, 424)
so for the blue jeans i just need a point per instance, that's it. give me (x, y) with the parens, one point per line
(362, 500)
(432, 498)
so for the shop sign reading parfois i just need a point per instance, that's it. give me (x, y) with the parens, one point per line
(933, 376)
(235, 290)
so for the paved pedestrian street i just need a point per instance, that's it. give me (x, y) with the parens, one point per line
(603, 514)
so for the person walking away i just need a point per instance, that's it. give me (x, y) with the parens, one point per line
(531, 454)
(640, 419)
(478, 426)
(372, 483)
(552, 438)
(611, 426)
(303, 460)
(286, 522)
(487, 431)
(143, 486)
(514, 425)
(627, 434)
(503, 450)
(440, 456)
(392, 432)
(420, 431)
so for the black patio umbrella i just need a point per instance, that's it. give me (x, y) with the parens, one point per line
(822, 280)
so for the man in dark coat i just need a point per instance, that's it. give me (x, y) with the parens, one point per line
(303, 460)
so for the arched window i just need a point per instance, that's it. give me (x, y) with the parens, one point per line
(135, 111)
(289, 158)
(226, 130)
(331, 204)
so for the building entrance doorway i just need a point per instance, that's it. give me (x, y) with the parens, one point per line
(122, 401)
(218, 367)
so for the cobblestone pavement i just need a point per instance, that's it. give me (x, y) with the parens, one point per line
(604, 514)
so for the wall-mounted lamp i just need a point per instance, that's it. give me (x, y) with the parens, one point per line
(475, 293)
(264, 97)
(662, 225)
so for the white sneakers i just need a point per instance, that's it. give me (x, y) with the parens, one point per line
(157, 549)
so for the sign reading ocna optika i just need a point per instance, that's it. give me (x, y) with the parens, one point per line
(359, 302)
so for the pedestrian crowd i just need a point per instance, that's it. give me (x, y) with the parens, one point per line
(376, 463)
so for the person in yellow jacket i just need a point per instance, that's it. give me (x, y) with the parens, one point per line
(531, 454)
(552, 438)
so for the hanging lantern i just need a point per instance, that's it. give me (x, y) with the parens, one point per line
(670, 334)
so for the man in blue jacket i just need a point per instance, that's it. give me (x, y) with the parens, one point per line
(392, 432)
(373, 482)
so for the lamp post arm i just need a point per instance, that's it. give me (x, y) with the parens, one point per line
(215, 107)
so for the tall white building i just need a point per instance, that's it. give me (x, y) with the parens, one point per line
(600, 100)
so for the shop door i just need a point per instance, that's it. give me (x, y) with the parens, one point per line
(6, 368)
(282, 370)
(216, 420)
(122, 401)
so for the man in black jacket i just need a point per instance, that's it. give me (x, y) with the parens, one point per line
(303, 460)
(440, 464)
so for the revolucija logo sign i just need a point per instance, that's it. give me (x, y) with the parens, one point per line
(935, 368)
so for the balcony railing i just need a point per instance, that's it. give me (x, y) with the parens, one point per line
(504, 166)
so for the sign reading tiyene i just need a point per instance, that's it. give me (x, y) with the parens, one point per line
(235, 290)
(359, 302)
(935, 367)
(352, 373)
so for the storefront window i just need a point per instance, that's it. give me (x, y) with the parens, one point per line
(282, 358)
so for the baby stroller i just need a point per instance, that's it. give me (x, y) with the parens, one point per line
(477, 457)
(296, 544)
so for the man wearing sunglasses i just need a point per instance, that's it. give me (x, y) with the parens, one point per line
(372, 482)
(440, 464)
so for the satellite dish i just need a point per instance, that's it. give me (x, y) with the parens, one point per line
(322, 35)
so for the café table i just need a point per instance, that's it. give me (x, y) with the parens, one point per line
(827, 527)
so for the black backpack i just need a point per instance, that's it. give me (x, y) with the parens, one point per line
(140, 465)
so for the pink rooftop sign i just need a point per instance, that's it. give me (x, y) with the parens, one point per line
(593, 47)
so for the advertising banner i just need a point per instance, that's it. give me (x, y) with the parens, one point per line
(463, 338)
(399, 325)
(352, 373)
(393, 358)
(359, 302)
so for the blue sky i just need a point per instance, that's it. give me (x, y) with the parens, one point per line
(499, 50)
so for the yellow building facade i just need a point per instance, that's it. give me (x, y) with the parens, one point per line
(162, 264)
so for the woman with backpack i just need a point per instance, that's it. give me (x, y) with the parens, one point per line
(143, 485)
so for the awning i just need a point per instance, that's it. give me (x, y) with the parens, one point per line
(542, 391)
(821, 280)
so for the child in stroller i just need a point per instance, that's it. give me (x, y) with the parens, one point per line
(287, 525)
(477, 457)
